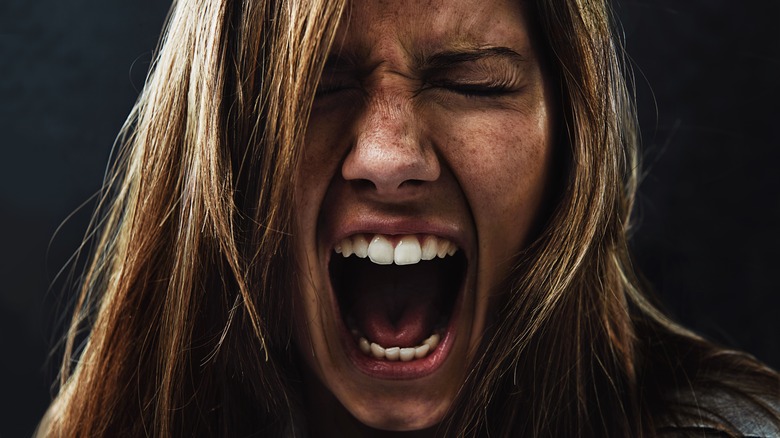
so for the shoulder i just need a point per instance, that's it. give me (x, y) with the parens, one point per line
(696, 388)
(721, 413)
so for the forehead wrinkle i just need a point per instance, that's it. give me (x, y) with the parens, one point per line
(346, 52)
(424, 36)
(454, 38)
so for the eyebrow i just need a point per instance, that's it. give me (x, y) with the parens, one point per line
(445, 59)
(341, 60)
(439, 60)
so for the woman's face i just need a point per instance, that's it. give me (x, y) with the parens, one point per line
(426, 160)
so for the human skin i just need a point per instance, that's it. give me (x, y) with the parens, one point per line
(432, 119)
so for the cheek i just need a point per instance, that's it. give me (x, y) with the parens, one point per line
(305, 215)
(502, 166)
(320, 161)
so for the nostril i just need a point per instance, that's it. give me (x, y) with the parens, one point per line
(363, 184)
(412, 183)
(389, 168)
(390, 153)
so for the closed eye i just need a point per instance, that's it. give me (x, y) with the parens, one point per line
(330, 89)
(334, 83)
(476, 90)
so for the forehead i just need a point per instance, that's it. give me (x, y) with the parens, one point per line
(379, 28)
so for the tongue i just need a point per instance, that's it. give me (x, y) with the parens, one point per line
(396, 306)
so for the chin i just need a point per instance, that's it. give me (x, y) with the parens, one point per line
(403, 415)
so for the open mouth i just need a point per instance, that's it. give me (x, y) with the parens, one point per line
(397, 294)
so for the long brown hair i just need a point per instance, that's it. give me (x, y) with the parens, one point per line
(579, 350)
(188, 301)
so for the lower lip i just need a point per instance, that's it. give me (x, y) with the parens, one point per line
(398, 370)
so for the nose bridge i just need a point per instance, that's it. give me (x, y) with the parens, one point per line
(387, 123)
(389, 149)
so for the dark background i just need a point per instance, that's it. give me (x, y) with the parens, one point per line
(707, 237)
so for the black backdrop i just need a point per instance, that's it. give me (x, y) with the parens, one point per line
(707, 236)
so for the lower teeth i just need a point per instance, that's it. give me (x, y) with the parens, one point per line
(404, 354)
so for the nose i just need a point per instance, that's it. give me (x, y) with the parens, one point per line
(390, 155)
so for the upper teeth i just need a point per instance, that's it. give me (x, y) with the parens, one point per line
(407, 250)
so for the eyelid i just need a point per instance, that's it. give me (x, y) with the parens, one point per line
(329, 89)
(332, 82)
(476, 74)
(494, 86)
(449, 83)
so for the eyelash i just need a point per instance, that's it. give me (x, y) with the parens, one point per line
(478, 90)
(475, 90)
(325, 91)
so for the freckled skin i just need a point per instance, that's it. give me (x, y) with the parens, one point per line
(389, 144)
